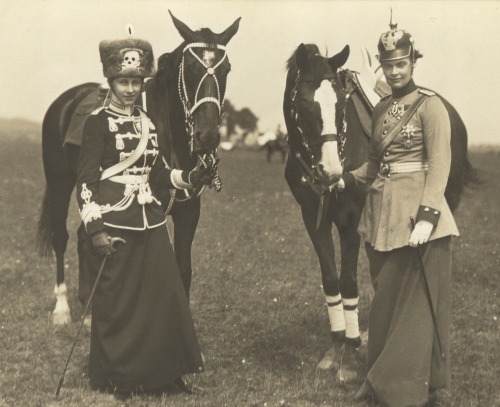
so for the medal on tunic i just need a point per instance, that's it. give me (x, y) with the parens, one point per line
(396, 110)
(408, 132)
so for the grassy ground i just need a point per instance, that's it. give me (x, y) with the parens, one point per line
(256, 297)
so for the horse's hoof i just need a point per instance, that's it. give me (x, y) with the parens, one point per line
(61, 318)
(349, 366)
(331, 360)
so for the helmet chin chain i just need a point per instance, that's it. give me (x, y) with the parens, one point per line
(207, 160)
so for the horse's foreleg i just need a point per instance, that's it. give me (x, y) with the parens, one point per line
(322, 241)
(185, 217)
(349, 251)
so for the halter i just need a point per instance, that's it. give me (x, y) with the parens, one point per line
(308, 171)
(190, 107)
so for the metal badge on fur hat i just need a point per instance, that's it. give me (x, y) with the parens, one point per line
(130, 57)
(396, 44)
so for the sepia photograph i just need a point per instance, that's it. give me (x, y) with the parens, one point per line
(250, 203)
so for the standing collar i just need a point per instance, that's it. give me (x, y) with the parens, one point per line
(118, 108)
(409, 88)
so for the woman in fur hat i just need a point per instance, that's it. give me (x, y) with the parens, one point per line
(142, 334)
(407, 171)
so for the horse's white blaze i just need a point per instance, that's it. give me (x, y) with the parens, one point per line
(61, 314)
(327, 98)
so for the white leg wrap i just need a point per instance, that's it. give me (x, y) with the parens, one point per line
(351, 317)
(336, 313)
(61, 314)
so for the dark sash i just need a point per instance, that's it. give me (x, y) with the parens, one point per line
(386, 142)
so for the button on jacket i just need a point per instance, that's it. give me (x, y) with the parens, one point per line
(395, 197)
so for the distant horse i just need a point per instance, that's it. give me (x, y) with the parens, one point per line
(185, 101)
(329, 133)
(276, 144)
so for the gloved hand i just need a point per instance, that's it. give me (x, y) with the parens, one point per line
(340, 186)
(202, 176)
(421, 233)
(103, 244)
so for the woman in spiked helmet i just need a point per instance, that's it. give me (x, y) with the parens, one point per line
(410, 261)
(142, 334)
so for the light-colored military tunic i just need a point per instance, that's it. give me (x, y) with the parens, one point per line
(395, 197)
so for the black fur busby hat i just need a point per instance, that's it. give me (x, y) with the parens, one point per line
(396, 44)
(130, 56)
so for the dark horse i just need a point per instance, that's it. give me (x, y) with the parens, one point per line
(185, 101)
(308, 173)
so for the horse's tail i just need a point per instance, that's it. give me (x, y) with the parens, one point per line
(44, 230)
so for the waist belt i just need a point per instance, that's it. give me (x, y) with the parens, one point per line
(130, 179)
(386, 169)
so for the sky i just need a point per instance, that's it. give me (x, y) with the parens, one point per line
(52, 45)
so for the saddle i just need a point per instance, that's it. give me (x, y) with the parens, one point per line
(92, 101)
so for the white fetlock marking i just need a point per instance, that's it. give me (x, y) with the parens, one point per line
(87, 322)
(61, 314)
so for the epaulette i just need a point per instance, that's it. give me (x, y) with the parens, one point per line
(426, 92)
(96, 111)
(386, 97)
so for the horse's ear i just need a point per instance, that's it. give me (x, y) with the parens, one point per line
(225, 36)
(340, 59)
(183, 29)
(302, 57)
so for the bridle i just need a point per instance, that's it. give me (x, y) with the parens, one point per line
(209, 159)
(308, 171)
(190, 107)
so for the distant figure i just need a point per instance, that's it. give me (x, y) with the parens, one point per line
(274, 142)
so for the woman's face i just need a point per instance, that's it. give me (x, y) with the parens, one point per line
(126, 90)
(398, 73)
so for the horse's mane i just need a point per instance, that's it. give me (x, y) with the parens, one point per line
(291, 63)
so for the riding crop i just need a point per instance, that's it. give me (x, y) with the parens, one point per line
(113, 240)
(428, 293)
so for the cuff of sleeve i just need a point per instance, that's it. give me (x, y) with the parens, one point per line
(429, 214)
(176, 176)
(95, 227)
(349, 180)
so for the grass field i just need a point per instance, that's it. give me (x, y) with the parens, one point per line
(256, 297)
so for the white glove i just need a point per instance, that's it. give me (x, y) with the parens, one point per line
(421, 233)
(340, 186)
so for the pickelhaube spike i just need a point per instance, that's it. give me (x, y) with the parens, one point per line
(393, 25)
(396, 44)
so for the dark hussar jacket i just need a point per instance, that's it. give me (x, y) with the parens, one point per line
(395, 197)
(125, 200)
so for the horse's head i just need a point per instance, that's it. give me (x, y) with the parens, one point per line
(202, 79)
(314, 99)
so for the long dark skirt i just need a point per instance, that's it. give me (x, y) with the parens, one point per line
(404, 360)
(142, 334)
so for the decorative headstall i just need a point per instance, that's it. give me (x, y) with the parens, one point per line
(207, 160)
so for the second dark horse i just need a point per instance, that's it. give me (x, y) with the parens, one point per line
(185, 101)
